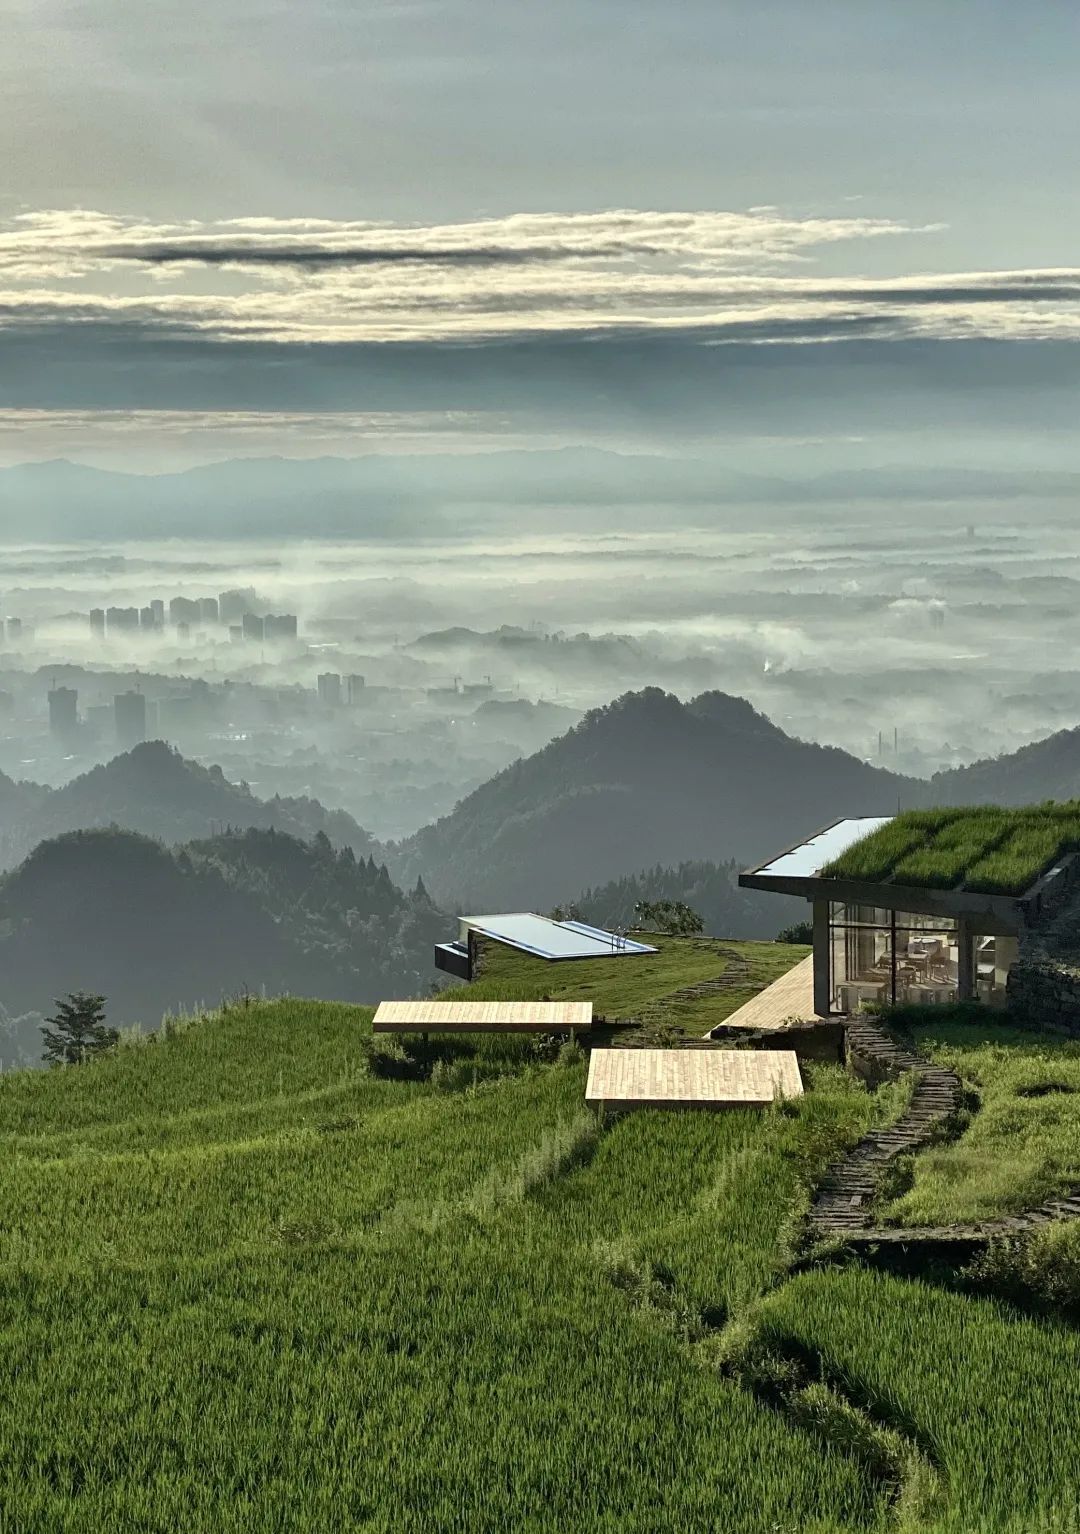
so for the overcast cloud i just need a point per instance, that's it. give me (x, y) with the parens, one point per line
(267, 210)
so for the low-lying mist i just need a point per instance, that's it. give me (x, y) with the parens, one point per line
(921, 637)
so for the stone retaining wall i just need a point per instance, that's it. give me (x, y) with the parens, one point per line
(1044, 983)
(1044, 992)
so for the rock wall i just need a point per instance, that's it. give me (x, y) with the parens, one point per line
(1045, 994)
(1044, 983)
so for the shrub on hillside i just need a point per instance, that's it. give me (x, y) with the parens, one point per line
(798, 932)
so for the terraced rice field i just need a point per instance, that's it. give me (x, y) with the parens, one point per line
(266, 1274)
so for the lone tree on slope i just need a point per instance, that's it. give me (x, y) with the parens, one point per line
(78, 1030)
(674, 917)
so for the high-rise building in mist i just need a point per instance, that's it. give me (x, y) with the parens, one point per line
(183, 610)
(157, 608)
(208, 610)
(130, 710)
(97, 622)
(253, 628)
(330, 688)
(234, 605)
(280, 626)
(14, 630)
(354, 689)
(63, 712)
(146, 618)
(98, 718)
(122, 619)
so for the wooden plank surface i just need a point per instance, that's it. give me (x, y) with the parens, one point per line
(792, 996)
(482, 1016)
(691, 1078)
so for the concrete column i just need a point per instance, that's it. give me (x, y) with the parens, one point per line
(1006, 951)
(965, 954)
(822, 960)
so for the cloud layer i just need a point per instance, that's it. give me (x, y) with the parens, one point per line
(714, 276)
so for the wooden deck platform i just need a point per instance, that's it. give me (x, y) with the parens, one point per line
(691, 1078)
(483, 1017)
(792, 996)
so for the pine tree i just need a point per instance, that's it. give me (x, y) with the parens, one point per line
(78, 1030)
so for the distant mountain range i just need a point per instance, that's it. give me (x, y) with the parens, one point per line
(649, 780)
(386, 495)
(154, 790)
(156, 929)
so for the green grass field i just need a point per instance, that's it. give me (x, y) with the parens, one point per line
(254, 1276)
(649, 986)
(1021, 1146)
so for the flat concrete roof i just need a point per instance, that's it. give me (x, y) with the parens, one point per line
(691, 1078)
(482, 1016)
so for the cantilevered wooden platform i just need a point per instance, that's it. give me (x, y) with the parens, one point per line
(483, 1017)
(792, 996)
(691, 1078)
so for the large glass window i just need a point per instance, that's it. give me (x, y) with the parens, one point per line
(901, 957)
(891, 956)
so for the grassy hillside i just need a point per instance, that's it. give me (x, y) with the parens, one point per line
(248, 1284)
(690, 984)
(1022, 1145)
(260, 1273)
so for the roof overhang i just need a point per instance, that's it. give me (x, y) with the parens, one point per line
(795, 872)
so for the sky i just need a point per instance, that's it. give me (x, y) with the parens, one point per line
(348, 226)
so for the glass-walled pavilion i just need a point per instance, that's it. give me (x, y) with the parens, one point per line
(880, 955)
(881, 943)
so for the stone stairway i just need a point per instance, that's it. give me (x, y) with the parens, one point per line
(843, 1204)
(845, 1195)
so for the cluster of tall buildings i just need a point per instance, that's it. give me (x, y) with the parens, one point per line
(129, 713)
(335, 689)
(232, 609)
(115, 620)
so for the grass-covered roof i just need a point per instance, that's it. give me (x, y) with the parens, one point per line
(990, 850)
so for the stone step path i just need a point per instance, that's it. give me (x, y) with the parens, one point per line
(735, 976)
(846, 1193)
(843, 1203)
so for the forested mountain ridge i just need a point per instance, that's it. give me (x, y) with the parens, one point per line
(154, 790)
(155, 929)
(646, 780)
(1047, 769)
(650, 781)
